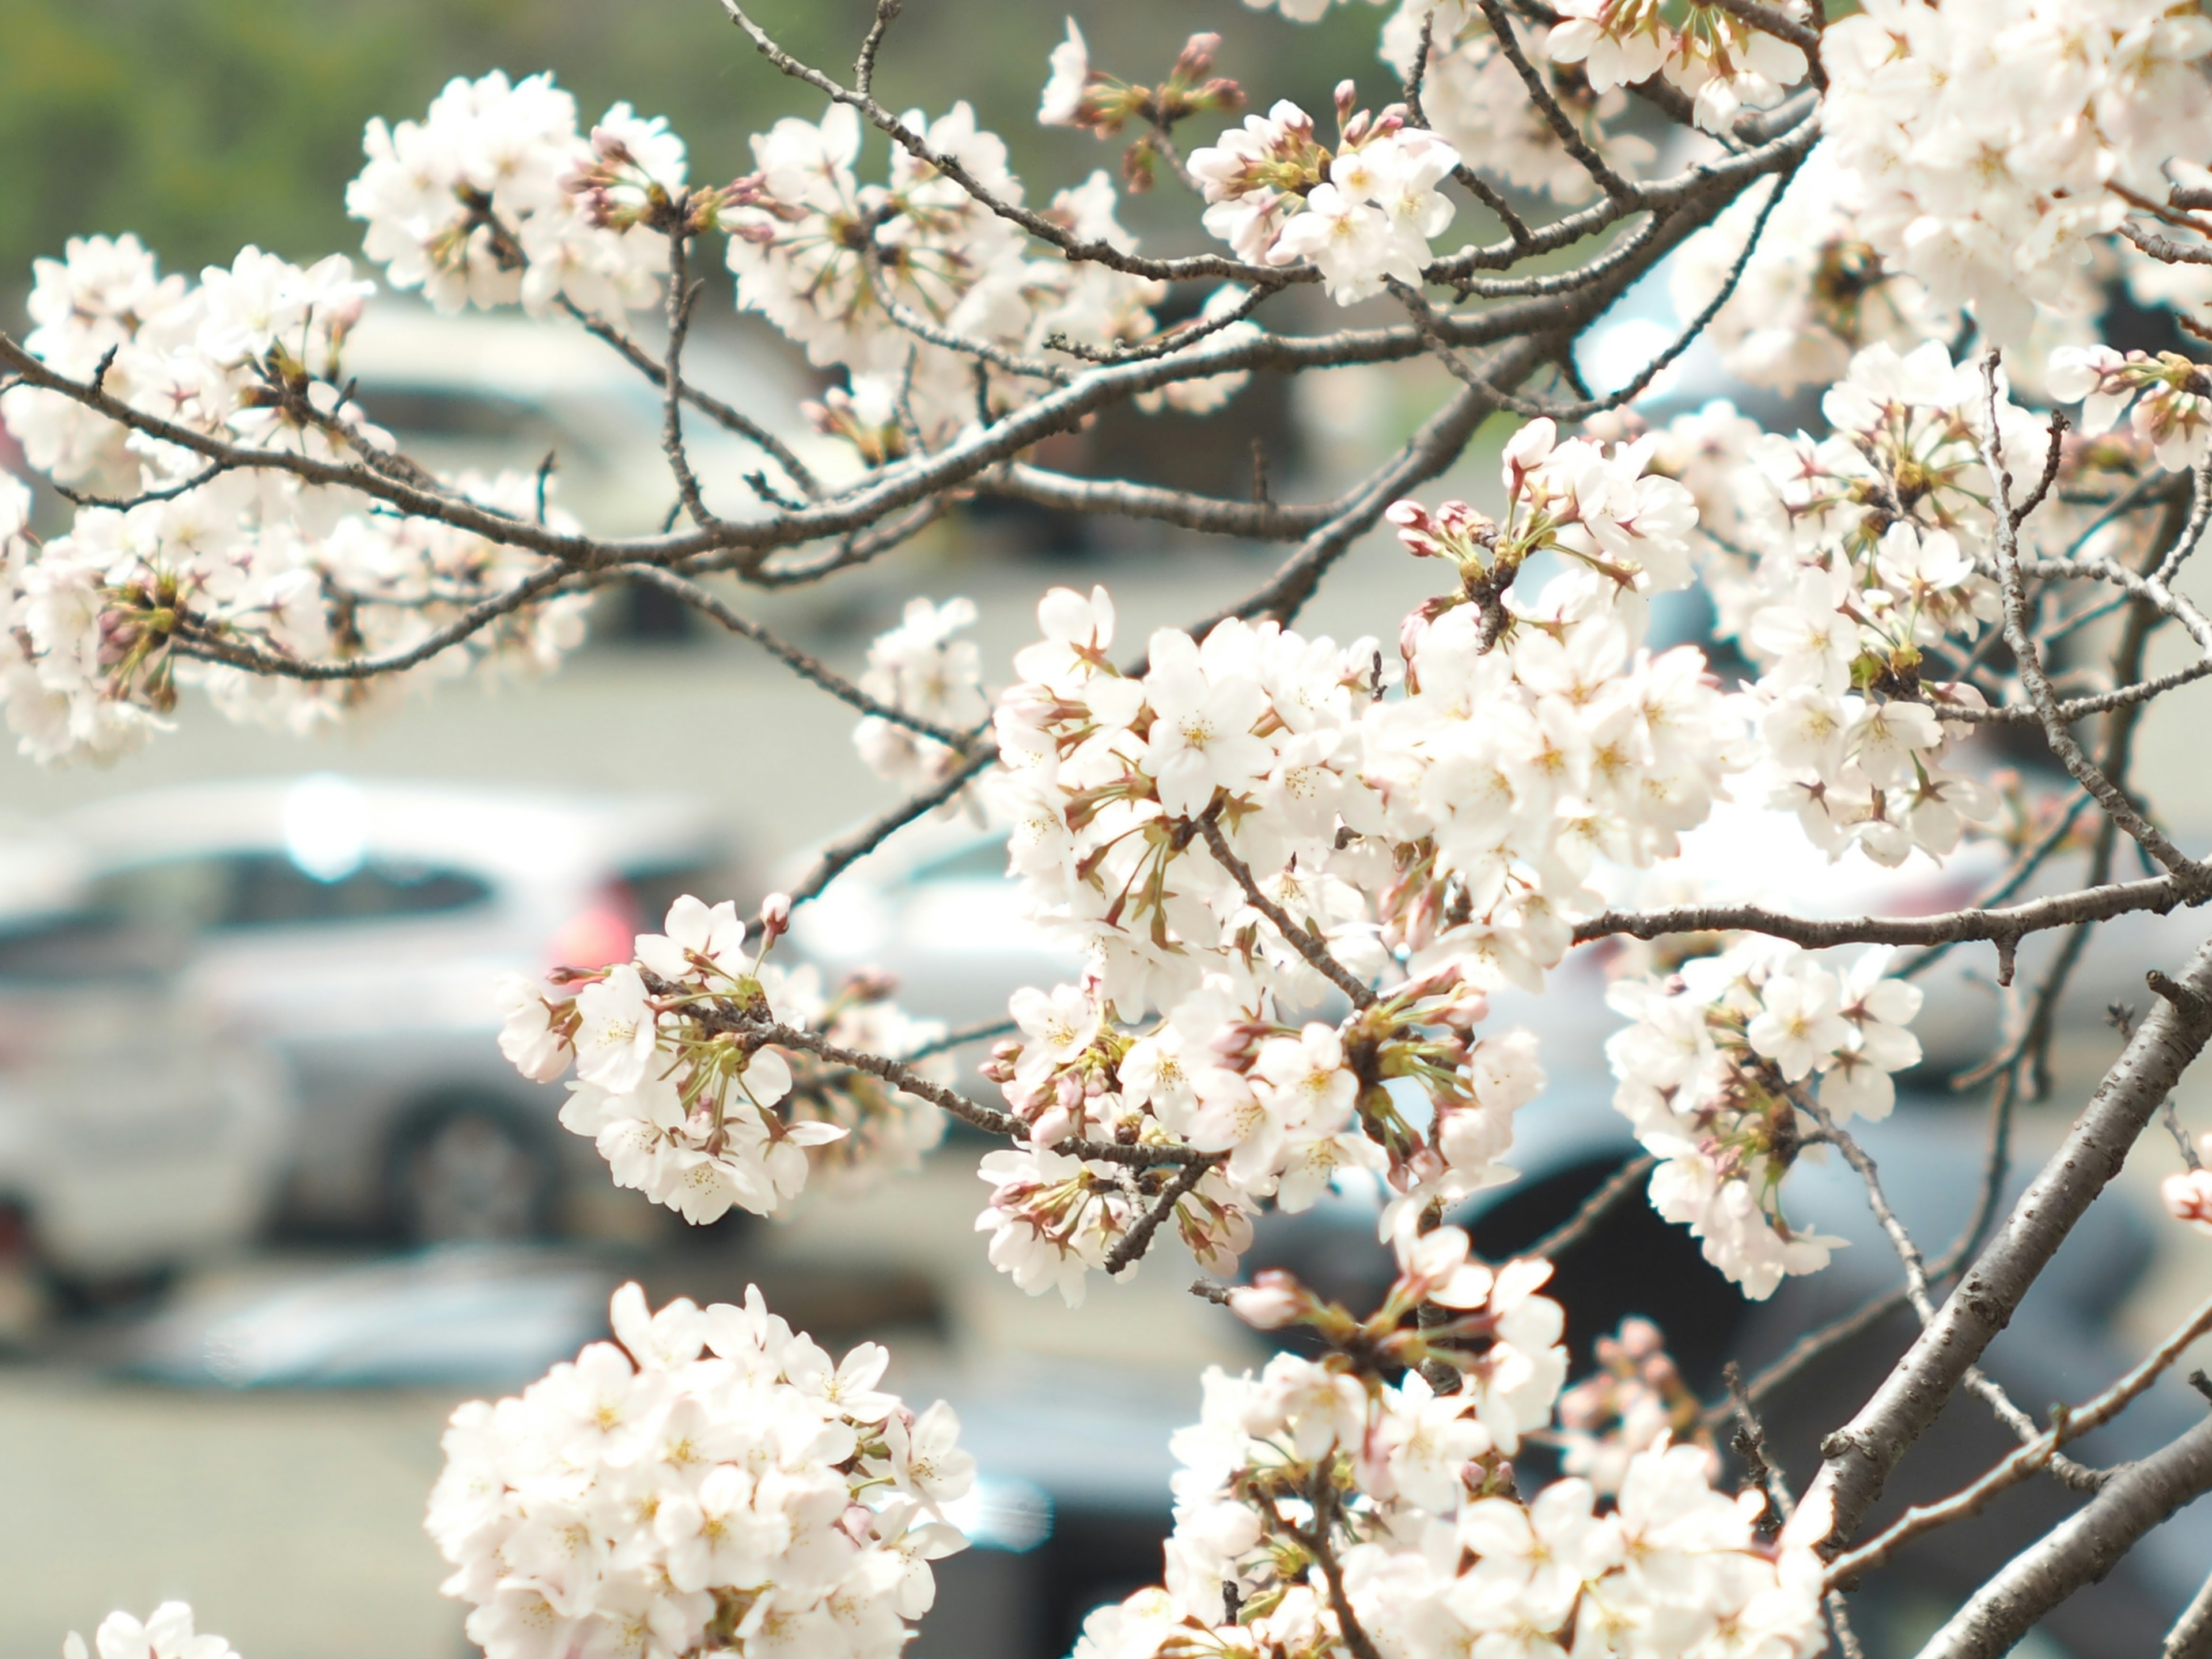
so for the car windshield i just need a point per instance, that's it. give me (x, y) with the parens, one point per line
(221, 892)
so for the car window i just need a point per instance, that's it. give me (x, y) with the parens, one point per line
(221, 892)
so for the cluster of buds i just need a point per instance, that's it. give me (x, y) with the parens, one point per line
(616, 189)
(1498, 1335)
(1078, 95)
(1636, 1399)
(2170, 398)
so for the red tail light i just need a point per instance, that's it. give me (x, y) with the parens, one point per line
(598, 935)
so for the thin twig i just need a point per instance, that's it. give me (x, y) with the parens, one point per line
(1306, 944)
(1594, 1208)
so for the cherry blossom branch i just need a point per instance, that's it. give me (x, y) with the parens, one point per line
(1427, 453)
(854, 549)
(2192, 530)
(1260, 520)
(1562, 123)
(2007, 926)
(1470, 180)
(194, 638)
(1974, 1379)
(905, 1079)
(806, 667)
(2068, 1425)
(1130, 1248)
(207, 475)
(2080, 1551)
(1094, 251)
(839, 856)
(864, 66)
(1858, 1457)
(1996, 1161)
(1180, 337)
(1315, 953)
(683, 294)
(1425, 319)
(913, 322)
(2019, 635)
(729, 419)
(2075, 708)
(2191, 1635)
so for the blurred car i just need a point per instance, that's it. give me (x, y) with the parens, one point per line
(359, 931)
(136, 1134)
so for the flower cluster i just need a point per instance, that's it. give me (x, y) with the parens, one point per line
(863, 276)
(1874, 556)
(1319, 1495)
(2167, 398)
(679, 1087)
(1473, 99)
(1256, 826)
(919, 668)
(496, 198)
(708, 1481)
(1716, 1076)
(1078, 95)
(1362, 215)
(1987, 151)
(195, 575)
(167, 1633)
(1727, 65)
(1636, 1401)
(1284, 1111)
(1814, 291)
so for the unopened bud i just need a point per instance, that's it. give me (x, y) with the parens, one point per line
(776, 916)
(1272, 1300)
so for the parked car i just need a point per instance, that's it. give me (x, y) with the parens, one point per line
(136, 1133)
(358, 929)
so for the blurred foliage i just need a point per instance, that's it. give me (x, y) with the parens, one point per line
(205, 124)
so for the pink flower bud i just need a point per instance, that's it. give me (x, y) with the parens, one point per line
(1272, 1300)
(2189, 1197)
(775, 915)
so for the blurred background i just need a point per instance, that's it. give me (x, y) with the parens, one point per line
(270, 1201)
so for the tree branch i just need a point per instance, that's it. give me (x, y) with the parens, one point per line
(1858, 1457)
(2079, 1551)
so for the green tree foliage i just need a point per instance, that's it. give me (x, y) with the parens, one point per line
(205, 124)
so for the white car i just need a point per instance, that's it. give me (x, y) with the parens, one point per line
(359, 930)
